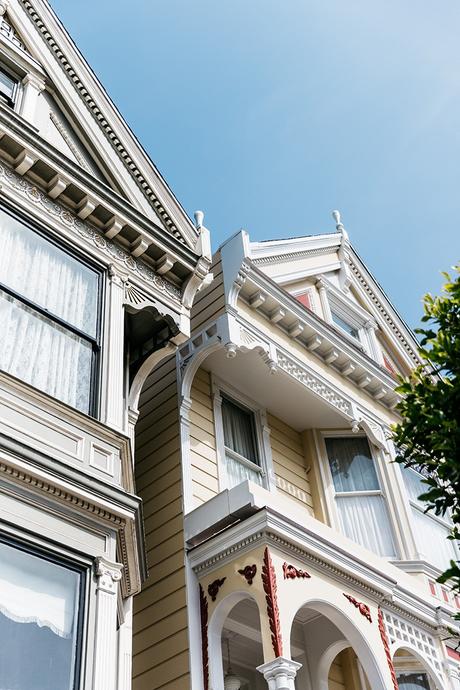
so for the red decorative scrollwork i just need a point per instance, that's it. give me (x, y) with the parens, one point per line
(362, 608)
(249, 573)
(290, 572)
(386, 646)
(213, 588)
(270, 589)
(204, 637)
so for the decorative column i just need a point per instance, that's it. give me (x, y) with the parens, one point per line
(108, 575)
(114, 373)
(376, 350)
(33, 86)
(125, 644)
(322, 289)
(280, 673)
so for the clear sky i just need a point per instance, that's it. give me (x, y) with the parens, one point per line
(269, 114)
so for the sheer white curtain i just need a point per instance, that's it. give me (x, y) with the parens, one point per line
(430, 532)
(361, 506)
(33, 590)
(240, 444)
(33, 348)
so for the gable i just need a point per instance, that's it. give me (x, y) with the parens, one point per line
(73, 114)
(325, 275)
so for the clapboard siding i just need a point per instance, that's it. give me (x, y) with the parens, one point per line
(209, 303)
(160, 641)
(289, 462)
(203, 454)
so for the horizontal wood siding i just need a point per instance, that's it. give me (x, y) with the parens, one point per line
(289, 462)
(160, 639)
(209, 303)
(203, 454)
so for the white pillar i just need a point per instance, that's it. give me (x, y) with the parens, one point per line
(114, 374)
(322, 289)
(280, 673)
(125, 646)
(33, 86)
(105, 644)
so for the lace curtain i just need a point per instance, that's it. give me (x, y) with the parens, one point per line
(34, 348)
(363, 513)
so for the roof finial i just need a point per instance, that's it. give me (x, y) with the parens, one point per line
(199, 218)
(339, 226)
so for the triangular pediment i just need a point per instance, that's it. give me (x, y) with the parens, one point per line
(325, 274)
(75, 116)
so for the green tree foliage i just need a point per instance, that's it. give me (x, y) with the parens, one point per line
(428, 436)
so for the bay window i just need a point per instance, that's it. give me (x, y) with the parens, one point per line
(49, 311)
(242, 460)
(430, 530)
(40, 621)
(361, 505)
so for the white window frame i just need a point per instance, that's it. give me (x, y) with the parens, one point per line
(329, 488)
(220, 389)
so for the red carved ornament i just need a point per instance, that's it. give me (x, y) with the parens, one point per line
(213, 588)
(204, 637)
(386, 646)
(270, 589)
(362, 608)
(249, 573)
(290, 572)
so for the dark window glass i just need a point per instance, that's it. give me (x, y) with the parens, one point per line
(413, 681)
(8, 87)
(239, 432)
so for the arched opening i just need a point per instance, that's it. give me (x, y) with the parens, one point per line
(413, 672)
(235, 645)
(333, 652)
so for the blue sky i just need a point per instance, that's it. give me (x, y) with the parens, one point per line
(268, 114)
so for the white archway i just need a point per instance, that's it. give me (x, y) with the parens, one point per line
(425, 664)
(325, 663)
(215, 627)
(353, 637)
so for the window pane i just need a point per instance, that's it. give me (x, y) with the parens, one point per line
(365, 520)
(414, 484)
(413, 681)
(7, 85)
(345, 326)
(38, 622)
(351, 464)
(431, 539)
(239, 430)
(237, 472)
(37, 269)
(43, 354)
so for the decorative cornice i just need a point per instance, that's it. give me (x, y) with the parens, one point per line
(313, 383)
(289, 256)
(371, 294)
(270, 589)
(61, 128)
(87, 232)
(100, 119)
